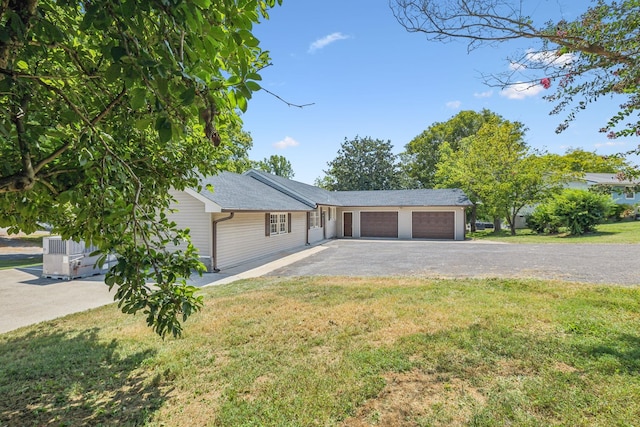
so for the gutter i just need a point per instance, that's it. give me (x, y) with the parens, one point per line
(215, 241)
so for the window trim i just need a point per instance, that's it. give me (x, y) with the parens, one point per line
(629, 191)
(277, 223)
(314, 219)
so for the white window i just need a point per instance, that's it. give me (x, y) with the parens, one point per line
(278, 223)
(629, 193)
(314, 219)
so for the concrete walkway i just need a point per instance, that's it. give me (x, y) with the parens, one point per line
(28, 298)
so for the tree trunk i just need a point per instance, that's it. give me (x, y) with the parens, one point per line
(512, 224)
(473, 218)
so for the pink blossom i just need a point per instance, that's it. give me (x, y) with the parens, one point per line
(611, 135)
(546, 83)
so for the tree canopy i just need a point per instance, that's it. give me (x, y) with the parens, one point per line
(581, 161)
(277, 165)
(583, 60)
(497, 168)
(106, 105)
(422, 153)
(362, 164)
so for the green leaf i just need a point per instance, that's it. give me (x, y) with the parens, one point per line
(22, 65)
(113, 73)
(188, 96)
(253, 86)
(143, 124)
(204, 4)
(163, 86)
(138, 98)
(163, 126)
(117, 52)
(242, 102)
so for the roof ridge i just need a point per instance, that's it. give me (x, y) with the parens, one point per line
(265, 179)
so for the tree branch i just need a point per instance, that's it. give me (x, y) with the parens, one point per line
(287, 102)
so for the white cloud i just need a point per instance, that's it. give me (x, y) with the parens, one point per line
(521, 90)
(609, 144)
(326, 40)
(487, 94)
(286, 143)
(548, 58)
(516, 66)
(454, 104)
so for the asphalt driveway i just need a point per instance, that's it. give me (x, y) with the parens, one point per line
(589, 263)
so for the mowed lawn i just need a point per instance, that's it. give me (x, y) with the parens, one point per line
(623, 232)
(340, 352)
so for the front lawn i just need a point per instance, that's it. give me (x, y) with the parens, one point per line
(624, 232)
(340, 352)
(19, 260)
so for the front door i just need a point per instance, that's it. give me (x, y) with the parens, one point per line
(347, 221)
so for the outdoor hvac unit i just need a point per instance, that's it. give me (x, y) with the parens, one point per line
(66, 259)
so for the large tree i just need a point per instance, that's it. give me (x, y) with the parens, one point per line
(581, 161)
(497, 168)
(234, 148)
(277, 165)
(595, 55)
(363, 164)
(106, 105)
(422, 153)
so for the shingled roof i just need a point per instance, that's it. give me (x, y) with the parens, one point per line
(234, 192)
(260, 191)
(422, 197)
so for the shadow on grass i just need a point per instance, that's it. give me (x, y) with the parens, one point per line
(19, 260)
(621, 354)
(74, 379)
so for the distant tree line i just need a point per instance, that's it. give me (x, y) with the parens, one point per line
(480, 152)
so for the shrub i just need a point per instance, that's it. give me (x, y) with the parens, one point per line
(619, 212)
(543, 220)
(581, 211)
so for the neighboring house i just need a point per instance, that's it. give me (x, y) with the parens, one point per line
(257, 214)
(622, 191)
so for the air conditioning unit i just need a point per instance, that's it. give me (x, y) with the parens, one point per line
(66, 259)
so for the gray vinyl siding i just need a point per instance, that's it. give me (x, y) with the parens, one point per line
(243, 239)
(191, 215)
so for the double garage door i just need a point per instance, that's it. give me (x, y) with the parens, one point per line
(424, 225)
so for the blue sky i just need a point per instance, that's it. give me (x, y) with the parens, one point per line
(366, 76)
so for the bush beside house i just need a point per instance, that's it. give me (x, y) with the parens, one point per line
(579, 211)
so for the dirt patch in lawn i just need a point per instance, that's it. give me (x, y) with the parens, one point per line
(416, 398)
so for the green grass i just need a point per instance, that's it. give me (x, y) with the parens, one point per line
(625, 232)
(25, 260)
(340, 352)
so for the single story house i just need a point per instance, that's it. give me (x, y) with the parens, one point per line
(623, 191)
(255, 214)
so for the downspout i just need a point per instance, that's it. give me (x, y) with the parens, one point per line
(324, 224)
(215, 241)
(308, 224)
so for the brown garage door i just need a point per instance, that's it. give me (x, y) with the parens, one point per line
(433, 225)
(379, 224)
